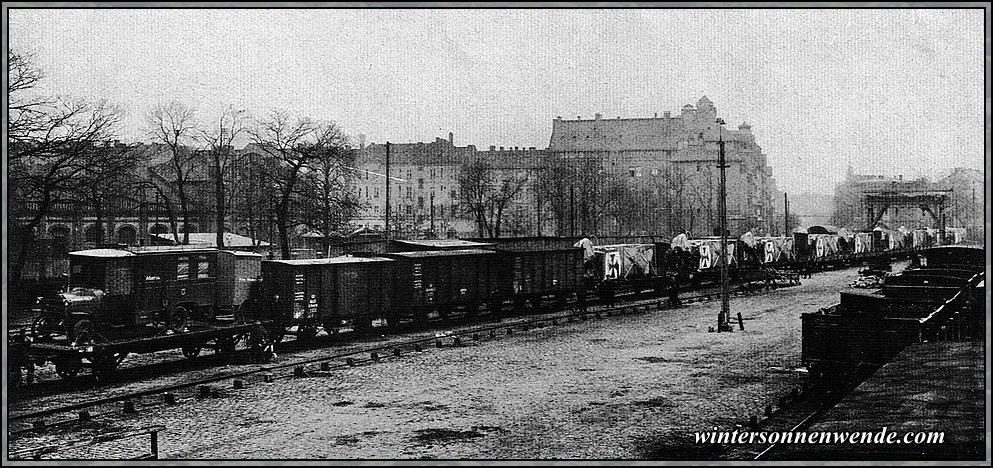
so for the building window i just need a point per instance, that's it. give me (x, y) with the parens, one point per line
(420, 184)
(698, 167)
(441, 213)
(420, 203)
(377, 192)
(367, 192)
(408, 192)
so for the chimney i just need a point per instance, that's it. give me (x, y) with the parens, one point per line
(901, 176)
(501, 148)
(656, 115)
(451, 138)
(597, 116)
(492, 148)
(666, 114)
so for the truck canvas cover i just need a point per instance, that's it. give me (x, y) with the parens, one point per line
(626, 261)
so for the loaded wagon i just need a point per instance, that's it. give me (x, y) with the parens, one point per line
(435, 283)
(330, 293)
(538, 274)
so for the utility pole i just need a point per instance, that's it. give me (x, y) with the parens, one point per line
(786, 216)
(387, 191)
(724, 319)
(432, 215)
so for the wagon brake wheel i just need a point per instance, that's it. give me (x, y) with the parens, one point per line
(178, 319)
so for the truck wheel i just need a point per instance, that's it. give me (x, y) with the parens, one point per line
(178, 318)
(81, 332)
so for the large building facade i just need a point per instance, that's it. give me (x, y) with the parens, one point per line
(683, 149)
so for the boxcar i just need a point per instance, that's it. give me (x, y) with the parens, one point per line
(345, 291)
(537, 274)
(116, 293)
(436, 283)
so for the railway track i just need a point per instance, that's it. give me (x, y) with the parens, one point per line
(114, 405)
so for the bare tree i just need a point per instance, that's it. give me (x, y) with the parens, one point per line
(50, 143)
(219, 140)
(486, 195)
(328, 203)
(174, 125)
(292, 144)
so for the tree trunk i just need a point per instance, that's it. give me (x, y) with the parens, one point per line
(27, 238)
(219, 191)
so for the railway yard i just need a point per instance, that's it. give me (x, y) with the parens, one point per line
(632, 384)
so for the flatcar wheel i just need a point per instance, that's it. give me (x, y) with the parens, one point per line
(225, 345)
(306, 332)
(68, 368)
(178, 318)
(191, 352)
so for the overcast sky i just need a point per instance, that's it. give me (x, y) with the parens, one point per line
(886, 91)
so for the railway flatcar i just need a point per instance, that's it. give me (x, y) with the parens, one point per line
(122, 301)
(437, 283)
(329, 293)
(114, 293)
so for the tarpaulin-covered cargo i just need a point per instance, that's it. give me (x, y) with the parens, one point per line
(624, 261)
(920, 239)
(774, 250)
(823, 245)
(863, 242)
(709, 251)
(326, 291)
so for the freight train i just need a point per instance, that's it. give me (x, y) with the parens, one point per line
(121, 301)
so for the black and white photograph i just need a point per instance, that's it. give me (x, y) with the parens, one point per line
(496, 233)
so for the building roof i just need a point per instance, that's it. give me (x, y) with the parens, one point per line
(209, 239)
(344, 259)
(441, 253)
(445, 244)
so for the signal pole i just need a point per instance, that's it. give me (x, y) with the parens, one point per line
(724, 318)
(387, 230)
(786, 216)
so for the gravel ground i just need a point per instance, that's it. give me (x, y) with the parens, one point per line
(628, 387)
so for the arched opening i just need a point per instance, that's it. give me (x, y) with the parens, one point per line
(93, 234)
(159, 229)
(60, 232)
(127, 235)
